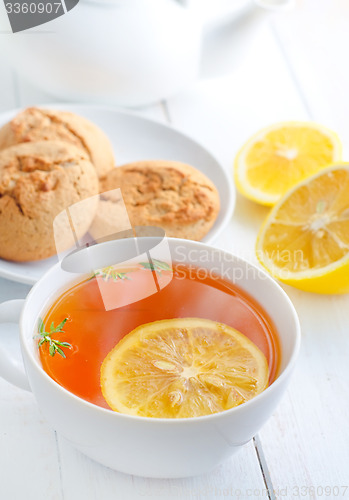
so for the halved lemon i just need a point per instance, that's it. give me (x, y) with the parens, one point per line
(304, 241)
(280, 156)
(180, 368)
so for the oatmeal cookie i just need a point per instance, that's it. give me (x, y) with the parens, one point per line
(36, 124)
(168, 194)
(39, 180)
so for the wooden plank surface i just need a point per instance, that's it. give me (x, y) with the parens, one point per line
(82, 478)
(306, 443)
(314, 41)
(29, 463)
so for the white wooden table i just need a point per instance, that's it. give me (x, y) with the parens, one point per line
(297, 68)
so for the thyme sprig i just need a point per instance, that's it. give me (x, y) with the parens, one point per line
(110, 273)
(45, 337)
(156, 265)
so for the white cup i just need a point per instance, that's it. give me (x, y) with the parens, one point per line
(149, 447)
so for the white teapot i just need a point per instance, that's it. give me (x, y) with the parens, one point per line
(129, 52)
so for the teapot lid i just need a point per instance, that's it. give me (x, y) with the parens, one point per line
(104, 3)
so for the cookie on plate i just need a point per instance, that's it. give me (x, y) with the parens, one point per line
(172, 195)
(36, 124)
(38, 181)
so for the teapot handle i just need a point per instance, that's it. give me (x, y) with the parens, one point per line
(213, 15)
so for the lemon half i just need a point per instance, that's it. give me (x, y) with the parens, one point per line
(280, 156)
(304, 241)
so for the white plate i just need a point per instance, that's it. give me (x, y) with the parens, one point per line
(136, 138)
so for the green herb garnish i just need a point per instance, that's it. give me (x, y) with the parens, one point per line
(110, 272)
(156, 265)
(55, 345)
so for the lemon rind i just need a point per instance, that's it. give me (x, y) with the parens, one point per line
(242, 184)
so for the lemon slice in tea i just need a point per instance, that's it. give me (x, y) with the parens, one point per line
(279, 156)
(180, 368)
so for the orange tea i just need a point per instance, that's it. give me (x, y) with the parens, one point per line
(84, 332)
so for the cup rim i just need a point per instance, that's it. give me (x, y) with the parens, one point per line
(161, 420)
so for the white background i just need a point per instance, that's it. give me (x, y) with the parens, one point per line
(295, 68)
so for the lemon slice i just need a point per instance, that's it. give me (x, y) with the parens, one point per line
(179, 368)
(280, 156)
(304, 241)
